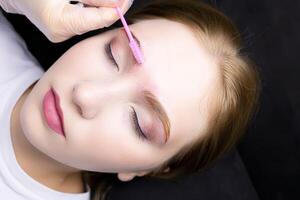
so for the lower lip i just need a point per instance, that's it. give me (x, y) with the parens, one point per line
(51, 113)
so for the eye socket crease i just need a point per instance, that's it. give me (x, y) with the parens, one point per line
(133, 35)
(110, 55)
(136, 39)
(156, 107)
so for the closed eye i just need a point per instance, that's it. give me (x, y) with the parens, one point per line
(110, 55)
(136, 126)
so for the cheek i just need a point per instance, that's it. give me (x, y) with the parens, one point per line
(85, 60)
(112, 145)
(104, 142)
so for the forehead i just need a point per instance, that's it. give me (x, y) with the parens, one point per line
(182, 72)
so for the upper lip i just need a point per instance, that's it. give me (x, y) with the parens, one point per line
(58, 108)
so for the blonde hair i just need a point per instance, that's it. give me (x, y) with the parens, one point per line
(236, 99)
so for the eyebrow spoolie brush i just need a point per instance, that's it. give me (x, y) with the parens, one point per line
(132, 42)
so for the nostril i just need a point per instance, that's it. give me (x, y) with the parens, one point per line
(84, 99)
(79, 109)
(77, 100)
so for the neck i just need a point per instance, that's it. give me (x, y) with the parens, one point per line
(39, 166)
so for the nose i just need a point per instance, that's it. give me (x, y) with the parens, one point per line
(90, 96)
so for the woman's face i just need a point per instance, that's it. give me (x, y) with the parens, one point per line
(99, 91)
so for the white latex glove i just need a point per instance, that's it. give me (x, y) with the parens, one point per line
(60, 20)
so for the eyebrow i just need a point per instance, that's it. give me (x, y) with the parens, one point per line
(159, 110)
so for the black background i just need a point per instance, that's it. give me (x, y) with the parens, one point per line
(266, 164)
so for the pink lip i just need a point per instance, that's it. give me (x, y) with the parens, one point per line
(53, 112)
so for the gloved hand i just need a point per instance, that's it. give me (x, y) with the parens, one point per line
(62, 19)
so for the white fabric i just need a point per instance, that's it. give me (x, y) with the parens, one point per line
(18, 70)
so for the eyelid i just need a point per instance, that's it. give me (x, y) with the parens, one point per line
(109, 54)
(136, 125)
(134, 52)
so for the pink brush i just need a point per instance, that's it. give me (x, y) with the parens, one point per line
(132, 43)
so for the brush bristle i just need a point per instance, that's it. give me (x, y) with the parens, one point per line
(136, 52)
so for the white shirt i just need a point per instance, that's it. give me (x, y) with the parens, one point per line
(18, 70)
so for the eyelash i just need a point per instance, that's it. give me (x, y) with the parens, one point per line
(136, 125)
(110, 55)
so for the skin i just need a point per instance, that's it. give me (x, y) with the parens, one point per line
(96, 100)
